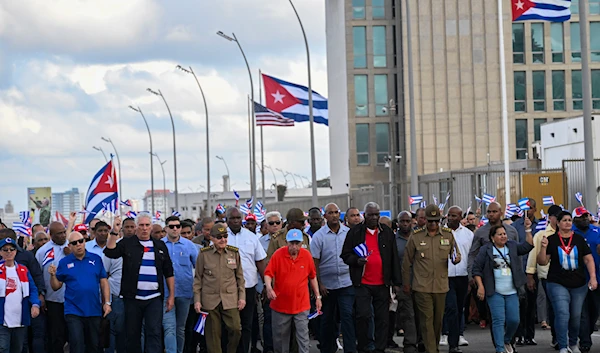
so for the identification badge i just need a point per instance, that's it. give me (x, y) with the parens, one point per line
(71, 265)
(445, 241)
(231, 262)
(506, 272)
(422, 255)
(423, 243)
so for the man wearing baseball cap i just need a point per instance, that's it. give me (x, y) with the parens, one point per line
(251, 223)
(295, 220)
(291, 267)
(589, 314)
(82, 228)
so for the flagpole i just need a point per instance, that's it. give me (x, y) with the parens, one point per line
(313, 166)
(151, 152)
(262, 146)
(504, 103)
(250, 145)
(588, 138)
(414, 174)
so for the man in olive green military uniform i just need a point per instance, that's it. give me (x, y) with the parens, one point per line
(295, 220)
(426, 261)
(219, 290)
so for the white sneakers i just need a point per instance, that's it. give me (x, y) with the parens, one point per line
(444, 340)
(462, 341)
(508, 348)
(574, 349)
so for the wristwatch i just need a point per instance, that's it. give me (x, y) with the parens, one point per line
(319, 297)
(107, 303)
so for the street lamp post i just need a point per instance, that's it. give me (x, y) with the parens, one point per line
(191, 71)
(151, 152)
(253, 139)
(159, 93)
(313, 165)
(226, 168)
(118, 162)
(162, 163)
(101, 150)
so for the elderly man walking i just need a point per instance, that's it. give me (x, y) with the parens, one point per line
(291, 268)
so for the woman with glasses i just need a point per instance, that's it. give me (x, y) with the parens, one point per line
(498, 272)
(566, 283)
(18, 299)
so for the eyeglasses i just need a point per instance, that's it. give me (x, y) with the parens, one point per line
(78, 241)
(185, 233)
(434, 221)
(10, 249)
(272, 223)
(174, 226)
(219, 237)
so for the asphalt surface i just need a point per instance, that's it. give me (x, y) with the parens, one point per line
(480, 342)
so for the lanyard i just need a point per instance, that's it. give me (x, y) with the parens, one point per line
(566, 248)
(503, 255)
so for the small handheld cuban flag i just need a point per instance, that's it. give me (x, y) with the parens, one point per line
(237, 197)
(126, 203)
(176, 214)
(199, 328)
(579, 198)
(131, 214)
(315, 314)
(508, 213)
(524, 204)
(415, 199)
(435, 200)
(541, 224)
(220, 209)
(447, 198)
(158, 213)
(361, 250)
(22, 228)
(483, 222)
(24, 215)
(478, 199)
(423, 204)
(548, 200)
(488, 199)
(48, 256)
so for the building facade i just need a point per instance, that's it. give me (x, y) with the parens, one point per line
(66, 202)
(458, 110)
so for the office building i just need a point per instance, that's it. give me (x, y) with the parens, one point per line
(67, 202)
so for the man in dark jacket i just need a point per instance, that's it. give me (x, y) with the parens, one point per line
(372, 273)
(146, 265)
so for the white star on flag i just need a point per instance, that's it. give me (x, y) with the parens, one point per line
(278, 97)
(520, 5)
(109, 181)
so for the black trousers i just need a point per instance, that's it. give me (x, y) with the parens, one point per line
(151, 313)
(246, 317)
(84, 333)
(527, 313)
(455, 301)
(57, 327)
(378, 296)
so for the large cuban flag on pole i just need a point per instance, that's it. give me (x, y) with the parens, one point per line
(545, 10)
(291, 100)
(102, 193)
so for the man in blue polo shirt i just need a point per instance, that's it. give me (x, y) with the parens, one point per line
(84, 275)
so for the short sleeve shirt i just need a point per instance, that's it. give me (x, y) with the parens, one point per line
(250, 251)
(567, 267)
(82, 281)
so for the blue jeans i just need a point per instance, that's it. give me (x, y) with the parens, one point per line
(504, 310)
(84, 333)
(343, 300)
(117, 322)
(11, 339)
(174, 324)
(567, 304)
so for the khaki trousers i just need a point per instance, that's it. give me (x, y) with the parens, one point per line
(430, 309)
(212, 330)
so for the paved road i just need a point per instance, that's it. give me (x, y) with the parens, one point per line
(480, 342)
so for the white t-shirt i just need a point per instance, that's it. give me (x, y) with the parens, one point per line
(14, 299)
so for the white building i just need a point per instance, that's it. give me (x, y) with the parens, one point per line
(563, 139)
(66, 202)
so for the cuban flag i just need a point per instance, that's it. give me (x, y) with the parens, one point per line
(176, 214)
(247, 207)
(237, 197)
(435, 199)
(478, 199)
(48, 257)
(415, 199)
(541, 224)
(259, 211)
(22, 228)
(442, 206)
(447, 198)
(524, 204)
(423, 204)
(131, 214)
(126, 203)
(548, 200)
(568, 261)
(199, 328)
(579, 197)
(361, 250)
(58, 217)
(25, 216)
(267, 117)
(483, 222)
(544, 10)
(488, 199)
(291, 101)
(103, 191)
(220, 209)
(157, 215)
(508, 213)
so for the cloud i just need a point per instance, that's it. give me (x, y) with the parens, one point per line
(179, 33)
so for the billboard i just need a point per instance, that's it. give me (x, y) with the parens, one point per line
(40, 204)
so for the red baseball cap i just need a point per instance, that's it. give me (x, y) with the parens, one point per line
(80, 228)
(579, 212)
(251, 216)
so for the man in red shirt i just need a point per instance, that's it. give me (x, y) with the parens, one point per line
(370, 252)
(291, 267)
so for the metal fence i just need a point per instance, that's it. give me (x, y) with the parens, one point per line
(306, 203)
(575, 181)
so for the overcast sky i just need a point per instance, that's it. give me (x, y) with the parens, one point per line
(69, 69)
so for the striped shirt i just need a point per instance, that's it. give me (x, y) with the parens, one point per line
(147, 286)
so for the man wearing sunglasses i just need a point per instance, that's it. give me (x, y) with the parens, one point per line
(84, 277)
(295, 220)
(183, 253)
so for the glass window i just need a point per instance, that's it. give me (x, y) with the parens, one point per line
(575, 43)
(362, 144)
(518, 34)
(361, 96)
(594, 7)
(595, 89)
(520, 91)
(382, 135)
(379, 42)
(557, 42)
(537, 42)
(359, 35)
(595, 41)
(381, 95)
(558, 90)
(358, 9)
(575, 7)
(378, 9)
(577, 89)
(537, 123)
(521, 138)
(539, 90)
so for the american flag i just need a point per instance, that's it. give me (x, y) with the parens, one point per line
(488, 199)
(579, 197)
(548, 200)
(267, 117)
(199, 328)
(22, 227)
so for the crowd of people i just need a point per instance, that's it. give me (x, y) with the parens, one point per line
(353, 284)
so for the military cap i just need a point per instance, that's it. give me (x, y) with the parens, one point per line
(432, 213)
(218, 229)
(295, 215)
